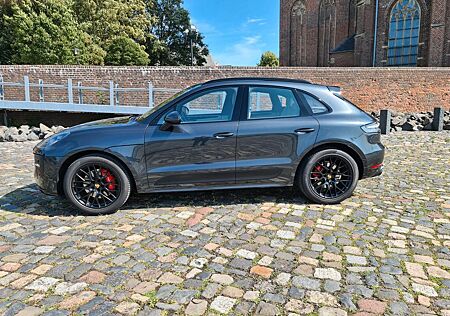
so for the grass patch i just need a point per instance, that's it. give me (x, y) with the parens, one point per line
(153, 300)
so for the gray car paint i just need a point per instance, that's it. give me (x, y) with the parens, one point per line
(189, 157)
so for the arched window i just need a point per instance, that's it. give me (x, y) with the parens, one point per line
(327, 31)
(404, 30)
(298, 34)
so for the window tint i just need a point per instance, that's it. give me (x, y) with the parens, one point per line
(212, 106)
(266, 102)
(316, 106)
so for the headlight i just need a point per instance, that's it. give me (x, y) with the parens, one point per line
(53, 139)
(373, 127)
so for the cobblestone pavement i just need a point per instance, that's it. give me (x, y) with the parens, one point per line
(384, 251)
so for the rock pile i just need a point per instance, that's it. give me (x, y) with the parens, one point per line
(27, 133)
(414, 121)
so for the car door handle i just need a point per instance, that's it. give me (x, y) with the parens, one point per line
(302, 131)
(223, 135)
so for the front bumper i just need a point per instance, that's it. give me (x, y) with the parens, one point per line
(46, 173)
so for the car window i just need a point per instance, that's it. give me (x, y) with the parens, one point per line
(212, 106)
(316, 106)
(268, 102)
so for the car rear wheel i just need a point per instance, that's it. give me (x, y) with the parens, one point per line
(96, 185)
(328, 176)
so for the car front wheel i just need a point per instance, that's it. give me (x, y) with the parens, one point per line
(328, 176)
(96, 185)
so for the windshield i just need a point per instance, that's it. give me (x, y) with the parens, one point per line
(154, 109)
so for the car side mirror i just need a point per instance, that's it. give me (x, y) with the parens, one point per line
(171, 119)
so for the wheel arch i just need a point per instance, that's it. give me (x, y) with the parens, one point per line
(345, 147)
(65, 165)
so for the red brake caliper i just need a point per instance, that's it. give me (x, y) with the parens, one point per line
(109, 178)
(318, 169)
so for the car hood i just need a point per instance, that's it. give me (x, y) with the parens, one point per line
(110, 122)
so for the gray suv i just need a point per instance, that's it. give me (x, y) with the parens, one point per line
(222, 134)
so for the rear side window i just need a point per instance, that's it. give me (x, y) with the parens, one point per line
(316, 106)
(268, 102)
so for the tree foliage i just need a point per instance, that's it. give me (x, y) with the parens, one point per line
(123, 51)
(269, 59)
(42, 32)
(97, 32)
(105, 20)
(170, 44)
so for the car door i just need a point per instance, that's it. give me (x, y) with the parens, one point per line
(275, 129)
(201, 151)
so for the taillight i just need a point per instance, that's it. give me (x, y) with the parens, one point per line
(373, 127)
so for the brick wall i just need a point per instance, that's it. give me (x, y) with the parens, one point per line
(434, 49)
(403, 89)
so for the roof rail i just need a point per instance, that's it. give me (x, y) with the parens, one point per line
(259, 79)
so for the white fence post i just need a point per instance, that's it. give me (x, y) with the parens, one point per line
(116, 94)
(150, 95)
(41, 90)
(80, 93)
(70, 90)
(26, 81)
(111, 93)
(2, 92)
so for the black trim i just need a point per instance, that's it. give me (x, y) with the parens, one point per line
(257, 79)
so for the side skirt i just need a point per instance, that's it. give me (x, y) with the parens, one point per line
(202, 188)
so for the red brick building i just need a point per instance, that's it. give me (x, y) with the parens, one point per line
(342, 33)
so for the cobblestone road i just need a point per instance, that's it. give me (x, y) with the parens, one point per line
(384, 251)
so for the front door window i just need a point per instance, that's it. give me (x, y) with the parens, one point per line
(211, 106)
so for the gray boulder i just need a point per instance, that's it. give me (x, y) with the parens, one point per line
(44, 128)
(36, 130)
(48, 134)
(398, 120)
(18, 138)
(57, 129)
(3, 129)
(412, 126)
(32, 137)
(12, 131)
(24, 129)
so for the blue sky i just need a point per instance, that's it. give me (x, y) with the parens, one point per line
(237, 32)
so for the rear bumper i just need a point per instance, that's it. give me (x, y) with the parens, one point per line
(46, 173)
(374, 162)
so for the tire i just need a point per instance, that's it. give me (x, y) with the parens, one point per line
(104, 169)
(314, 169)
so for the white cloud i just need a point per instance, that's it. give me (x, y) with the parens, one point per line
(246, 52)
(253, 21)
(251, 40)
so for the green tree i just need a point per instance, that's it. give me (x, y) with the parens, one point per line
(105, 20)
(42, 32)
(269, 59)
(170, 43)
(123, 51)
(117, 27)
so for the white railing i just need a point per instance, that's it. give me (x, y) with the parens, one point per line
(114, 92)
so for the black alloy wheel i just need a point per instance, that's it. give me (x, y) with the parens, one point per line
(331, 177)
(97, 185)
(328, 176)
